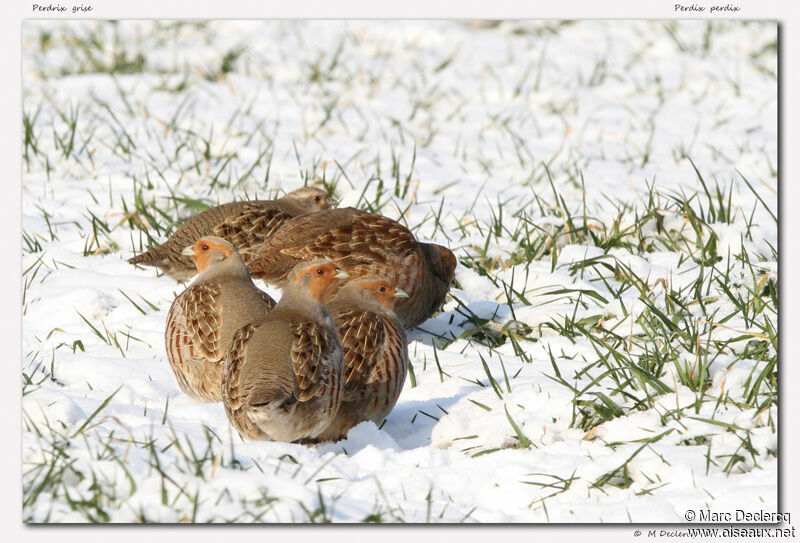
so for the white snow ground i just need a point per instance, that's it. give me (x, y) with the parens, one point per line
(259, 106)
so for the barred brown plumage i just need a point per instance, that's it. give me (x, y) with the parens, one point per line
(203, 318)
(282, 378)
(362, 244)
(374, 351)
(243, 224)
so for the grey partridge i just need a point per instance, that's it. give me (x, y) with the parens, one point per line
(204, 318)
(242, 223)
(361, 244)
(283, 376)
(374, 351)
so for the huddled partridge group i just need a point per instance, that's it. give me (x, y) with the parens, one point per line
(333, 351)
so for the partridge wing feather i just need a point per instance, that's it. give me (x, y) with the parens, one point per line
(302, 230)
(202, 321)
(252, 224)
(362, 336)
(267, 260)
(313, 356)
(231, 377)
(364, 239)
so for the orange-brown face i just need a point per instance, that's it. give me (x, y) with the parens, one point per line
(321, 280)
(383, 291)
(207, 251)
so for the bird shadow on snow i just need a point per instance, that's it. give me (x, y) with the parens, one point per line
(406, 428)
(410, 424)
(449, 325)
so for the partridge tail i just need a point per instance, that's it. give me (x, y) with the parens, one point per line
(271, 398)
(153, 257)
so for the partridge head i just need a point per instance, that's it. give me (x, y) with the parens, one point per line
(371, 291)
(316, 279)
(309, 199)
(213, 256)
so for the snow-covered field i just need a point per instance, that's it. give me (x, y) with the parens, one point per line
(609, 351)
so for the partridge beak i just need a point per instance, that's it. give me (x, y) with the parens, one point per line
(341, 274)
(188, 251)
(400, 293)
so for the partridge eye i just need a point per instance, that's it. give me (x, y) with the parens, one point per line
(204, 247)
(382, 289)
(320, 271)
(316, 198)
